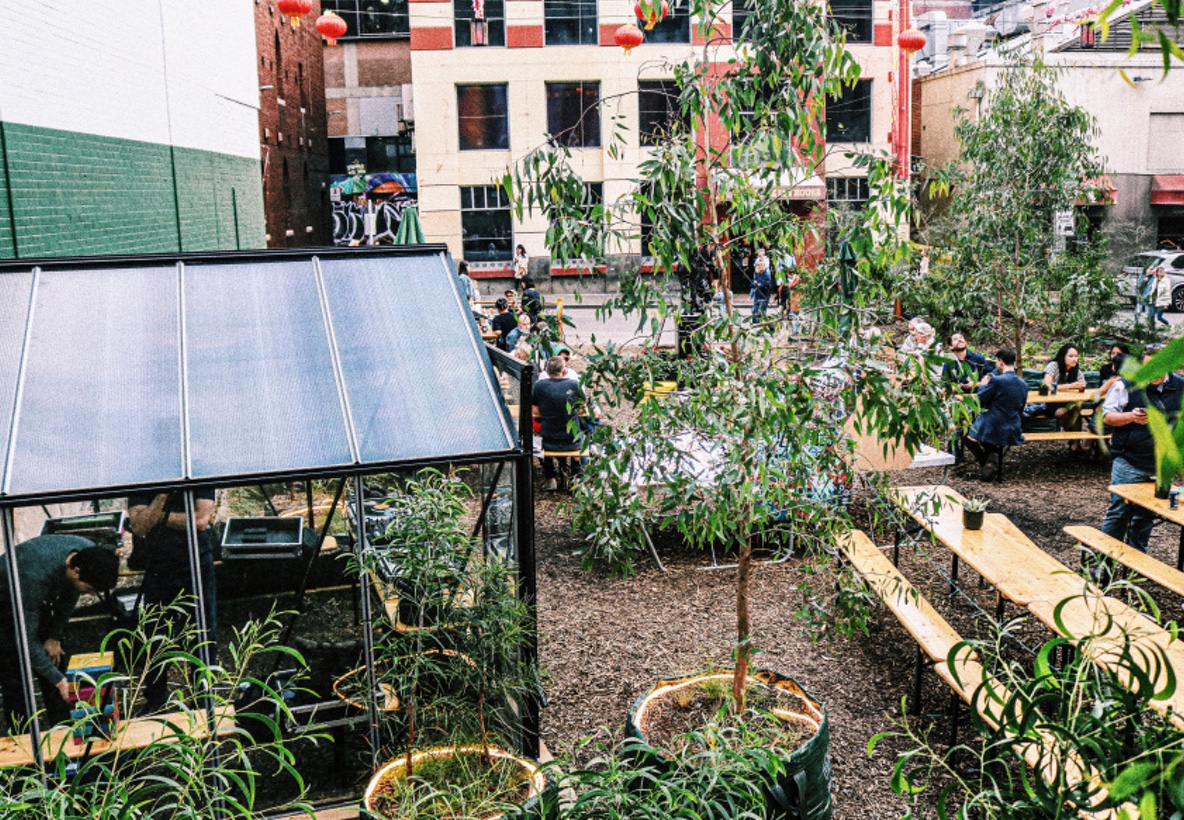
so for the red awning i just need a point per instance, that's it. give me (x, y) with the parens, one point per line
(1102, 191)
(1167, 189)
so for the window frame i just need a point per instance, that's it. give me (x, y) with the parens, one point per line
(583, 133)
(846, 183)
(647, 133)
(500, 205)
(857, 17)
(500, 113)
(495, 19)
(862, 93)
(675, 29)
(351, 11)
(587, 33)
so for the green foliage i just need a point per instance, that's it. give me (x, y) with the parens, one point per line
(976, 504)
(1058, 719)
(183, 774)
(1027, 156)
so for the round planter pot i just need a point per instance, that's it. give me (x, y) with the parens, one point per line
(531, 806)
(802, 792)
(973, 519)
(1162, 492)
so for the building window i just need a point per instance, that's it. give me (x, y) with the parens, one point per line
(593, 196)
(379, 155)
(849, 116)
(851, 192)
(573, 114)
(855, 16)
(742, 13)
(658, 111)
(676, 28)
(570, 22)
(483, 117)
(484, 25)
(371, 18)
(487, 232)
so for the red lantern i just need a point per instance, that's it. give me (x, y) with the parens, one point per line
(331, 27)
(652, 11)
(294, 10)
(628, 37)
(911, 40)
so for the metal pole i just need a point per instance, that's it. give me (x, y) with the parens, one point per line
(367, 625)
(22, 638)
(527, 586)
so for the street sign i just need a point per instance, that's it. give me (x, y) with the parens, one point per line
(1062, 222)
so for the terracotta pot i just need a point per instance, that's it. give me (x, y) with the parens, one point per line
(531, 806)
(802, 792)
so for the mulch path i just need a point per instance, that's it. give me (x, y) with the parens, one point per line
(604, 640)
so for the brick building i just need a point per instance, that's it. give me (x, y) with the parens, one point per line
(133, 132)
(292, 129)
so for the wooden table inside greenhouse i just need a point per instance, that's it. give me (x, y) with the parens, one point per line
(136, 733)
(1143, 495)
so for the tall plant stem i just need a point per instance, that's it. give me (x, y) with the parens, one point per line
(743, 649)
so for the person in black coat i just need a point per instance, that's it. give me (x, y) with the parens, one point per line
(1002, 398)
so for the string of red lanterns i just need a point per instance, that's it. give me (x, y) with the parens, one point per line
(628, 37)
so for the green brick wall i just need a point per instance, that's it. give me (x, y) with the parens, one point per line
(81, 194)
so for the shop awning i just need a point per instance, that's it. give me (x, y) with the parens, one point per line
(229, 368)
(1167, 189)
(1101, 191)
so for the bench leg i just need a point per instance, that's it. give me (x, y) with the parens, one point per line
(1180, 552)
(916, 707)
(954, 577)
(955, 715)
(1000, 606)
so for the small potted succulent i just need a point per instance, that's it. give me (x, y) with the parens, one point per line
(973, 511)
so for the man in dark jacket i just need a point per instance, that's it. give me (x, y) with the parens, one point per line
(1125, 411)
(503, 322)
(557, 404)
(1002, 397)
(54, 571)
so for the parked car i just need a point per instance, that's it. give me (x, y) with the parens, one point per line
(1173, 263)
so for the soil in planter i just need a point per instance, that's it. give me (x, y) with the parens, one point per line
(669, 720)
(461, 785)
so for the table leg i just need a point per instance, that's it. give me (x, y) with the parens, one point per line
(1000, 603)
(954, 577)
(1180, 552)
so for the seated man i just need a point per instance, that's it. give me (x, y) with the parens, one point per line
(54, 571)
(1002, 397)
(557, 403)
(967, 368)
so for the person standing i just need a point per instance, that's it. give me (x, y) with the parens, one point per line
(557, 403)
(162, 527)
(762, 283)
(791, 297)
(1162, 289)
(466, 282)
(1133, 448)
(521, 267)
(532, 300)
(1002, 396)
(54, 571)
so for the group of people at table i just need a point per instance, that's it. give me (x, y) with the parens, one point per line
(1004, 399)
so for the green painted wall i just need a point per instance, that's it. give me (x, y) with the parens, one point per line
(81, 194)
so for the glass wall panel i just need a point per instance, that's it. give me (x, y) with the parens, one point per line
(418, 387)
(262, 395)
(14, 313)
(102, 384)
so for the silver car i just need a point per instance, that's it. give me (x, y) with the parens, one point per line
(1173, 263)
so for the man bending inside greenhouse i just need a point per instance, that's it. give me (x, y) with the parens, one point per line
(54, 571)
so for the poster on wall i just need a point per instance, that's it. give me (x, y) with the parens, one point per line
(351, 196)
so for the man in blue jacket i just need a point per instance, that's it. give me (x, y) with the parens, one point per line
(1002, 397)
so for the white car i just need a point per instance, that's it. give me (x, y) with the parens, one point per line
(1173, 263)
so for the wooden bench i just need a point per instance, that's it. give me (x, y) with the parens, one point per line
(966, 677)
(1051, 435)
(1150, 568)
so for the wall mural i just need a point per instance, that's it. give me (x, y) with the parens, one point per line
(353, 195)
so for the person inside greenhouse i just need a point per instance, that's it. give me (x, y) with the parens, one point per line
(54, 571)
(1002, 396)
(161, 527)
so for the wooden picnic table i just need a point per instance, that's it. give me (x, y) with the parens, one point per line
(128, 735)
(1064, 396)
(1019, 570)
(1143, 495)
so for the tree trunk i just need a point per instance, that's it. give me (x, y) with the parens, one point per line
(743, 648)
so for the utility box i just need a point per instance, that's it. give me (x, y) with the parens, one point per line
(270, 537)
